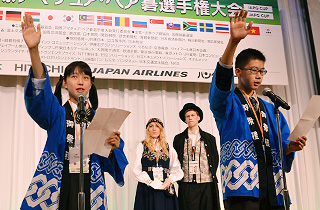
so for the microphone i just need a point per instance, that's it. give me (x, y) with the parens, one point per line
(81, 98)
(275, 99)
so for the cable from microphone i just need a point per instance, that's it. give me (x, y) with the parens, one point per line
(275, 99)
(81, 98)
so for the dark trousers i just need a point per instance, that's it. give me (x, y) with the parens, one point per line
(69, 192)
(195, 196)
(248, 203)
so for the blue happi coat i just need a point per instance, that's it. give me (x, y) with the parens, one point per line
(44, 190)
(238, 158)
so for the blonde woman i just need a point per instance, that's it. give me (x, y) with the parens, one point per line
(156, 167)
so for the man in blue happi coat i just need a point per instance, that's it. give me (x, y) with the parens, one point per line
(250, 156)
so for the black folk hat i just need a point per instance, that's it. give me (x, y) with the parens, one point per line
(190, 106)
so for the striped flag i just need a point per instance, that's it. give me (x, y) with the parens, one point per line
(206, 27)
(254, 31)
(104, 20)
(122, 21)
(222, 28)
(1, 14)
(155, 21)
(35, 16)
(173, 26)
(13, 15)
(189, 26)
(86, 19)
(139, 24)
(156, 24)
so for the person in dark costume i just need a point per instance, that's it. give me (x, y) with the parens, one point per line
(157, 168)
(199, 158)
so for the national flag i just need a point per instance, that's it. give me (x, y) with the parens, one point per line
(86, 19)
(155, 21)
(222, 28)
(206, 27)
(173, 26)
(254, 31)
(50, 17)
(68, 18)
(1, 14)
(35, 16)
(139, 24)
(104, 20)
(122, 21)
(13, 15)
(189, 26)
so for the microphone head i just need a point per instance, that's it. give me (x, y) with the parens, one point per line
(265, 91)
(81, 96)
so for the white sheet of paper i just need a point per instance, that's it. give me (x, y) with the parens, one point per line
(310, 115)
(156, 184)
(105, 121)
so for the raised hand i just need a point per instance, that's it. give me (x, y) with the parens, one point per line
(238, 31)
(238, 28)
(31, 36)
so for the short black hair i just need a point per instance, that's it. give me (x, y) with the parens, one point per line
(245, 56)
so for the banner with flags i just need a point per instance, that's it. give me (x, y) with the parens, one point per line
(136, 39)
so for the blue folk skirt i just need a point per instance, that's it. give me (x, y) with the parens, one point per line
(148, 198)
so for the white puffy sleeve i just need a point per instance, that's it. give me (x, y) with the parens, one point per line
(137, 172)
(176, 172)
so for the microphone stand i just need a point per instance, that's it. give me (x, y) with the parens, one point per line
(285, 190)
(81, 195)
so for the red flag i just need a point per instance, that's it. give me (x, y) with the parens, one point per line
(254, 31)
(104, 20)
(154, 21)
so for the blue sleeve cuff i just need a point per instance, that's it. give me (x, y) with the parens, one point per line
(116, 163)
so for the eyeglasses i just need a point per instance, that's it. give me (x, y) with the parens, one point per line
(255, 70)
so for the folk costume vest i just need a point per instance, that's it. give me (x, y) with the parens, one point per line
(149, 161)
(199, 173)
